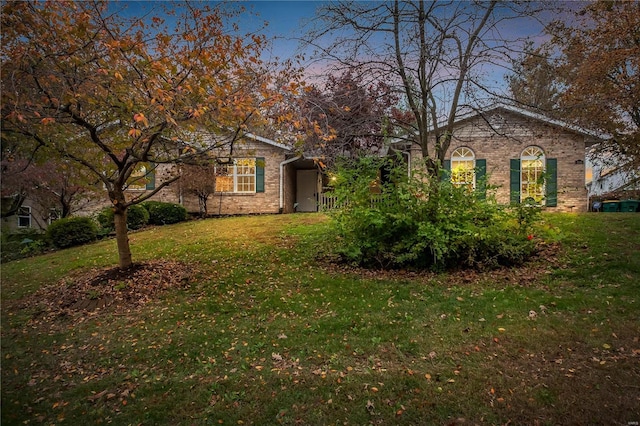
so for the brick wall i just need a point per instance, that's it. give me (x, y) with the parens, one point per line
(229, 204)
(503, 135)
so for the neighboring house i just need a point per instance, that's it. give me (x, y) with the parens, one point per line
(30, 215)
(527, 156)
(612, 179)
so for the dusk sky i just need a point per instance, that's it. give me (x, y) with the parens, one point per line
(285, 19)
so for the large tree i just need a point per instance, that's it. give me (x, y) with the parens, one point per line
(599, 66)
(533, 83)
(114, 92)
(351, 114)
(434, 53)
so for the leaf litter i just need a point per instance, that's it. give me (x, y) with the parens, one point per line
(97, 291)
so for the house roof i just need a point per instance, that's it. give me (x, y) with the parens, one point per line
(533, 115)
(267, 141)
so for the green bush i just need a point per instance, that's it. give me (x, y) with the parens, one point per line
(72, 231)
(161, 213)
(23, 243)
(424, 223)
(105, 220)
(137, 217)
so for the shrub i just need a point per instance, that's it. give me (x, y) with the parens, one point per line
(161, 213)
(105, 220)
(71, 231)
(137, 217)
(424, 223)
(24, 243)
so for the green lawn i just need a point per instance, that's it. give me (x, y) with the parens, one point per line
(268, 331)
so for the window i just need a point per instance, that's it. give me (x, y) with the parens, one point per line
(532, 179)
(142, 179)
(54, 214)
(24, 217)
(239, 176)
(463, 168)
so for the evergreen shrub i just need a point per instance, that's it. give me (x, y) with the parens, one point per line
(161, 213)
(72, 231)
(137, 217)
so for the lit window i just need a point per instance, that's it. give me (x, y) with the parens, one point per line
(463, 165)
(24, 217)
(532, 168)
(239, 176)
(138, 180)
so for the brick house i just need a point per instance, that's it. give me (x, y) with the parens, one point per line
(525, 154)
(262, 176)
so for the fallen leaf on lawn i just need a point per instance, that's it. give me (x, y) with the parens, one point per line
(97, 396)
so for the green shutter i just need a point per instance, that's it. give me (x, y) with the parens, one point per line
(151, 177)
(514, 181)
(446, 171)
(551, 186)
(260, 174)
(481, 178)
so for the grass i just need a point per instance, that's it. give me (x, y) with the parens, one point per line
(269, 333)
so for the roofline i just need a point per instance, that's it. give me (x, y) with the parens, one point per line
(267, 141)
(531, 114)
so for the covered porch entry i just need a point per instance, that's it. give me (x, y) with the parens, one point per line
(303, 186)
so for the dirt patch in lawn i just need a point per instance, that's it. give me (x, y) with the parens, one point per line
(96, 291)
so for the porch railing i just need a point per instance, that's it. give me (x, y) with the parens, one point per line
(327, 202)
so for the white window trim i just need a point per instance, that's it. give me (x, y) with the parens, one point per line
(23, 216)
(139, 180)
(233, 169)
(543, 157)
(458, 156)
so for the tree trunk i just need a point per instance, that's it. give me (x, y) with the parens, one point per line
(122, 238)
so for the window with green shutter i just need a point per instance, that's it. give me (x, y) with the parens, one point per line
(445, 173)
(514, 180)
(481, 178)
(242, 175)
(151, 177)
(260, 174)
(551, 187)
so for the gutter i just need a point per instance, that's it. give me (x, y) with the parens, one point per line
(282, 164)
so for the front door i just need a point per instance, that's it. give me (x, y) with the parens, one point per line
(307, 191)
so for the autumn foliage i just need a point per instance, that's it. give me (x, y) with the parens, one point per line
(600, 69)
(115, 93)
